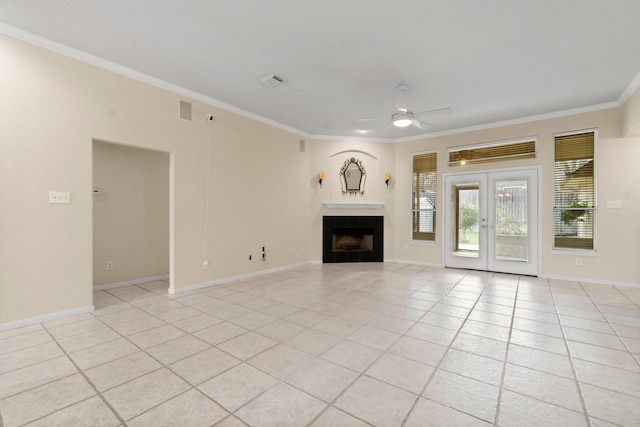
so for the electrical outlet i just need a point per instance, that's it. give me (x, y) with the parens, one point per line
(406, 248)
(205, 264)
(578, 261)
(109, 265)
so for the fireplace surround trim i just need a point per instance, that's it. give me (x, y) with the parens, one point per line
(368, 223)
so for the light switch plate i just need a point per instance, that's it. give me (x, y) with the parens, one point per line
(614, 204)
(63, 197)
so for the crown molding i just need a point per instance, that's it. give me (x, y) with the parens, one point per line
(79, 55)
(65, 50)
(521, 120)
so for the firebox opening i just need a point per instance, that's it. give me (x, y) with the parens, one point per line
(352, 238)
(344, 239)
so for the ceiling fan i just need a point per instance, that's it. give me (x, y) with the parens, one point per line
(403, 117)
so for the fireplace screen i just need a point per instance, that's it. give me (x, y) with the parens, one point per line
(352, 239)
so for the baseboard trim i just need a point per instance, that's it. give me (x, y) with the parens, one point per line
(386, 260)
(590, 281)
(46, 318)
(130, 282)
(426, 264)
(234, 278)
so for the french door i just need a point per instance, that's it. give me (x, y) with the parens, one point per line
(491, 221)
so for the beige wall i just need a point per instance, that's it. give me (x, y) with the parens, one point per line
(258, 186)
(131, 213)
(260, 189)
(631, 116)
(45, 250)
(616, 175)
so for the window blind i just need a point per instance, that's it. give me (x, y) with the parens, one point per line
(574, 191)
(424, 192)
(492, 153)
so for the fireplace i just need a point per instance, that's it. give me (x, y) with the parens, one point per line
(352, 239)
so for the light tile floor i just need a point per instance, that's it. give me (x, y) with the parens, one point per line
(335, 345)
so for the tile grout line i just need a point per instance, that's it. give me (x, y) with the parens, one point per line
(231, 413)
(613, 328)
(317, 356)
(307, 307)
(611, 325)
(86, 378)
(570, 358)
(448, 347)
(363, 373)
(360, 375)
(191, 386)
(496, 419)
(510, 330)
(195, 386)
(353, 292)
(162, 365)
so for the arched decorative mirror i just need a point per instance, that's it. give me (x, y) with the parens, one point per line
(353, 176)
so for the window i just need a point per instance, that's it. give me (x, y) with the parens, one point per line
(494, 152)
(423, 200)
(574, 209)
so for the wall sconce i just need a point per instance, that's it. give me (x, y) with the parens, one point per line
(320, 177)
(387, 177)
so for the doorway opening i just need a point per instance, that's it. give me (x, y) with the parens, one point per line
(131, 215)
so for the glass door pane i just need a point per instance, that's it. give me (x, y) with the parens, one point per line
(466, 221)
(466, 198)
(511, 220)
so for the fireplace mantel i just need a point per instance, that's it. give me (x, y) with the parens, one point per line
(354, 205)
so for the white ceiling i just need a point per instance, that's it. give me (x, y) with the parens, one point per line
(488, 60)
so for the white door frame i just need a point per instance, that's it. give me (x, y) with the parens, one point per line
(535, 227)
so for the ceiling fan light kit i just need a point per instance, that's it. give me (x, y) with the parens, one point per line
(401, 120)
(403, 117)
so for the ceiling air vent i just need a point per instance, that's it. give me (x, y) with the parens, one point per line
(272, 80)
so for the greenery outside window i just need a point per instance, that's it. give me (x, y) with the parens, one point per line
(574, 213)
(423, 197)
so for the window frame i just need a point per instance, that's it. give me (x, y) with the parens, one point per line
(577, 251)
(412, 240)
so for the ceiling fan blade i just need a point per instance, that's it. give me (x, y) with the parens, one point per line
(439, 111)
(385, 127)
(419, 124)
(367, 120)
